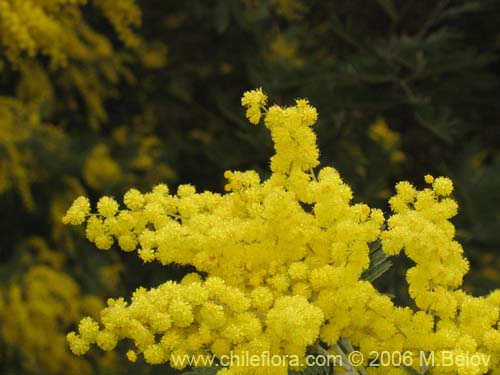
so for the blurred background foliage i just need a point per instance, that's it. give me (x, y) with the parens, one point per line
(100, 96)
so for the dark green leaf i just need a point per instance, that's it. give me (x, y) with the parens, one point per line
(379, 262)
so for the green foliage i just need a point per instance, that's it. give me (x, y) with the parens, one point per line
(379, 262)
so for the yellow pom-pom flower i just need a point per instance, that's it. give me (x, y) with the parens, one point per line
(133, 199)
(78, 345)
(88, 329)
(78, 212)
(442, 186)
(107, 207)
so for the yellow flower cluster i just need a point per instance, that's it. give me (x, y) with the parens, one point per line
(123, 15)
(283, 260)
(17, 163)
(285, 50)
(255, 101)
(38, 305)
(86, 60)
(100, 170)
(37, 310)
(57, 29)
(389, 139)
(451, 320)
